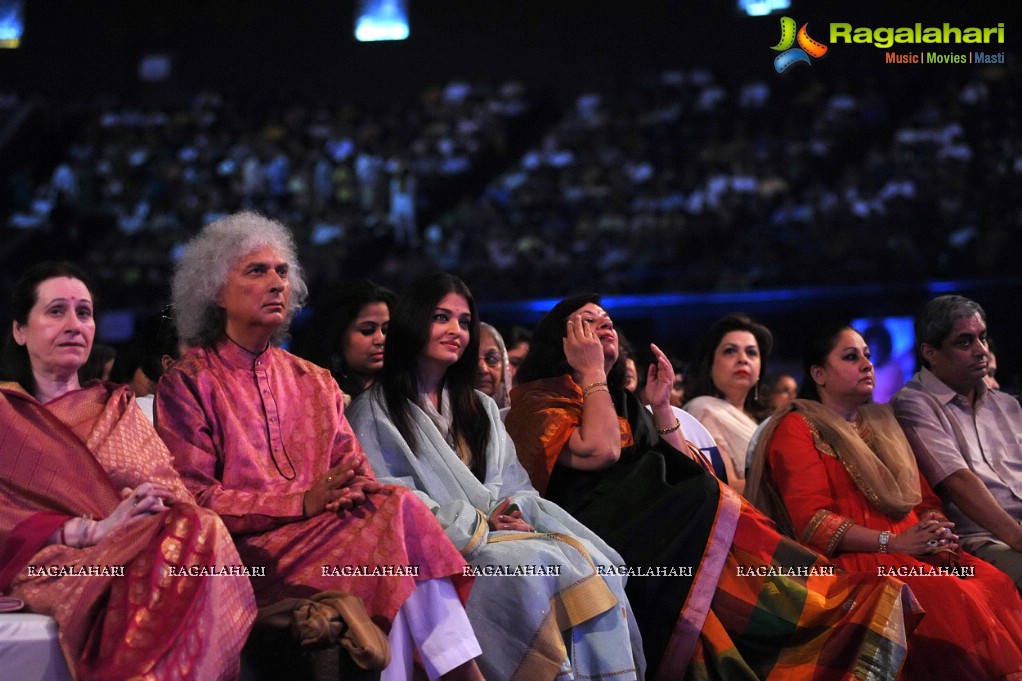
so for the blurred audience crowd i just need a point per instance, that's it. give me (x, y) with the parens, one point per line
(679, 181)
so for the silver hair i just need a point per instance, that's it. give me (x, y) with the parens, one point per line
(503, 394)
(202, 272)
(937, 319)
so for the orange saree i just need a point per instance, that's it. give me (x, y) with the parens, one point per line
(973, 625)
(125, 607)
(752, 604)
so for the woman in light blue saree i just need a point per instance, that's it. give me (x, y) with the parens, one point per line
(548, 601)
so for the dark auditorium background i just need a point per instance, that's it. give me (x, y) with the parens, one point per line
(650, 151)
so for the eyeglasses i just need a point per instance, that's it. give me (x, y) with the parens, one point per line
(493, 359)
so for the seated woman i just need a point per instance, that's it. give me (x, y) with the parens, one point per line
(722, 595)
(346, 335)
(425, 426)
(89, 491)
(260, 437)
(156, 348)
(781, 389)
(724, 394)
(837, 472)
(493, 374)
(517, 348)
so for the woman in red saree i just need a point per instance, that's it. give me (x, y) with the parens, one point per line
(718, 592)
(96, 528)
(837, 472)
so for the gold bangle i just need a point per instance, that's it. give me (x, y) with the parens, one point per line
(83, 531)
(589, 388)
(590, 391)
(668, 431)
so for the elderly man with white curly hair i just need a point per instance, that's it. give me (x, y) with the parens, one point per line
(260, 436)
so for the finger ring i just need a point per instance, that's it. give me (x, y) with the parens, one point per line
(136, 500)
(329, 478)
(933, 542)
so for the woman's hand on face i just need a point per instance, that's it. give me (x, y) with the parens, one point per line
(929, 536)
(659, 379)
(149, 498)
(582, 347)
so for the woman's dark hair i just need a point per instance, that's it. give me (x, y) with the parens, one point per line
(95, 365)
(702, 375)
(127, 360)
(157, 337)
(546, 350)
(819, 343)
(330, 319)
(517, 335)
(410, 328)
(161, 342)
(15, 364)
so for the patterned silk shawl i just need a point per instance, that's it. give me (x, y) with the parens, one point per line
(111, 626)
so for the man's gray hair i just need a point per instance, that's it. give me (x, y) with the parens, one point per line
(937, 318)
(202, 273)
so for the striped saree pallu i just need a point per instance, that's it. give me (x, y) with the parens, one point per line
(782, 611)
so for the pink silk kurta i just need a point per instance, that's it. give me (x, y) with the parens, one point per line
(250, 434)
(72, 456)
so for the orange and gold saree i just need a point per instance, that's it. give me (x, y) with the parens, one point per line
(127, 606)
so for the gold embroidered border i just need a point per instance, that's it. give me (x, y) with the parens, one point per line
(478, 537)
(826, 448)
(826, 525)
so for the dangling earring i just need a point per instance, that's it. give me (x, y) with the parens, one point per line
(755, 392)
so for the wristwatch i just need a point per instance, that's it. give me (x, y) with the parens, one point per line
(885, 538)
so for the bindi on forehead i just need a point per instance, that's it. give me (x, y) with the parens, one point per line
(68, 299)
(70, 290)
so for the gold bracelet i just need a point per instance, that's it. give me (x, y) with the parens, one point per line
(83, 532)
(590, 391)
(668, 431)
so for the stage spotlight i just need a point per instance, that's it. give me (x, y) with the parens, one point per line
(12, 23)
(381, 20)
(761, 8)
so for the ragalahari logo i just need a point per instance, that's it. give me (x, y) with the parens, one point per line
(807, 47)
